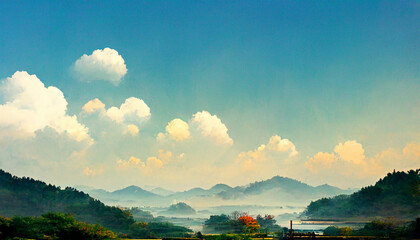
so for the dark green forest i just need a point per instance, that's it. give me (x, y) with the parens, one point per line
(396, 195)
(26, 197)
(385, 228)
(29, 197)
(51, 226)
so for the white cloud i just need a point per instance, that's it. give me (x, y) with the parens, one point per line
(212, 127)
(93, 106)
(30, 107)
(132, 109)
(347, 161)
(133, 129)
(351, 151)
(252, 160)
(72, 127)
(400, 159)
(321, 160)
(281, 145)
(178, 130)
(104, 64)
(349, 165)
(249, 160)
(154, 163)
(132, 162)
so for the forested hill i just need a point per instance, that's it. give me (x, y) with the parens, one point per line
(29, 197)
(396, 195)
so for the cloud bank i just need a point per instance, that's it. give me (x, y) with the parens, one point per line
(30, 106)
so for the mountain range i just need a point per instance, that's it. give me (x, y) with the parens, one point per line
(277, 191)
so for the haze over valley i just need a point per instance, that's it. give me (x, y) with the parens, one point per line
(211, 120)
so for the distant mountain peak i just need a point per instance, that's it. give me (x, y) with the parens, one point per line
(161, 191)
(220, 187)
(181, 208)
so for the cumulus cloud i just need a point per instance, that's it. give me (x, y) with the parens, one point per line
(212, 127)
(133, 129)
(177, 130)
(351, 151)
(400, 159)
(93, 106)
(132, 109)
(251, 160)
(348, 159)
(30, 106)
(321, 160)
(152, 163)
(103, 64)
(281, 145)
(131, 162)
(72, 127)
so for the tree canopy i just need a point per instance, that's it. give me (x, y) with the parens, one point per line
(396, 195)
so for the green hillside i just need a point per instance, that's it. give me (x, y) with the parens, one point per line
(29, 197)
(180, 208)
(396, 195)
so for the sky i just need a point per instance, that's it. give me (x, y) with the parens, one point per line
(182, 94)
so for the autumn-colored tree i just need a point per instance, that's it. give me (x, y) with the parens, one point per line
(250, 223)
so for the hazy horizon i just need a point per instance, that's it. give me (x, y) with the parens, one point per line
(191, 94)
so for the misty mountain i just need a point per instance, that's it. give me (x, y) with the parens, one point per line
(133, 192)
(331, 190)
(128, 196)
(186, 195)
(219, 188)
(161, 191)
(180, 209)
(276, 191)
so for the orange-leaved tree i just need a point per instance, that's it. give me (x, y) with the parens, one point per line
(251, 225)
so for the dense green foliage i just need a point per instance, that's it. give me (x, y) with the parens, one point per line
(26, 197)
(228, 237)
(235, 224)
(180, 208)
(396, 195)
(141, 215)
(157, 230)
(29, 197)
(222, 224)
(268, 223)
(387, 228)
(51, 226)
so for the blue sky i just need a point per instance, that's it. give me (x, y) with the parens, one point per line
(318, 73)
